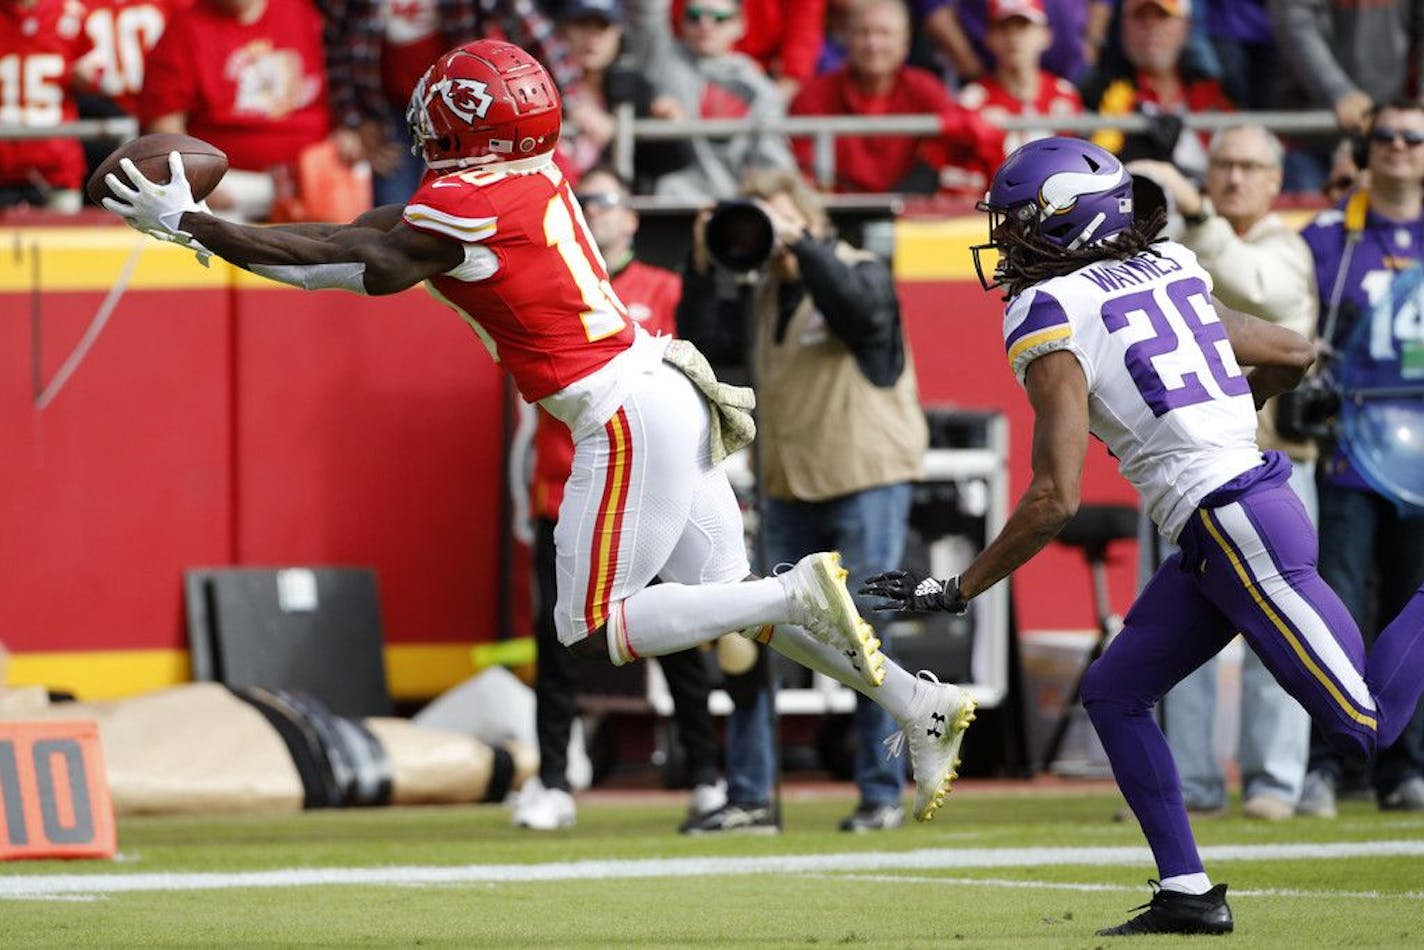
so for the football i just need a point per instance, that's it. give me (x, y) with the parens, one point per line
(204, 164)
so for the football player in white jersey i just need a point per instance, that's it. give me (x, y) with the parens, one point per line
(1112, 332)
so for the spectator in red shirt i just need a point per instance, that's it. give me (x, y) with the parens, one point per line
(1158, 84)
(876, 81)
(1018, 36)
(785, 36)
(249, 77)
(123, 33)
(40, 42)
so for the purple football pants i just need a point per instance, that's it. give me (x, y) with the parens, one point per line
(1247, 564)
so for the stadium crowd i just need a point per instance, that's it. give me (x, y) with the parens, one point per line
(307, 97)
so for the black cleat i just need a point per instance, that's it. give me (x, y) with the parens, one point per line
(1172, 912)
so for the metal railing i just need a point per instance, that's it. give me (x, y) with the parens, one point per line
(823, 130)
(121, 128)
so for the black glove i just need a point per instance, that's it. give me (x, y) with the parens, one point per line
(907, 592)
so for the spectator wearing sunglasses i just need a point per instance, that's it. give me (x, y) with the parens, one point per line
(701, 70)
(1346, 57)
(1369, 554)
(784, 36)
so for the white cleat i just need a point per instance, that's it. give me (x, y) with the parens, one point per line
(821, 603)
(939, 715)
(543, 809)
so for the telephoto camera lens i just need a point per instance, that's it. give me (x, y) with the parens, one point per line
(740, 236)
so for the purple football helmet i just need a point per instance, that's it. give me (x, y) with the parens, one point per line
(1061, 194)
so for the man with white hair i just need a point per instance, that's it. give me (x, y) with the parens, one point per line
(1261, 266)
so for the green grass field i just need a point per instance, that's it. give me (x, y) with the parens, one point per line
(461, 876)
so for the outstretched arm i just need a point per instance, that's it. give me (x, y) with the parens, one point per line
(376, 254)
(1058, 392)
(350, 256)
(1278, 358)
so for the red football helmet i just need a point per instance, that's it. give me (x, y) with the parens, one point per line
(486, 101)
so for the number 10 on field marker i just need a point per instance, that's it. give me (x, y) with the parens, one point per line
(54, 799)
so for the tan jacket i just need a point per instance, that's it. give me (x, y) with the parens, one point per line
(826, 430)
(1267, 273)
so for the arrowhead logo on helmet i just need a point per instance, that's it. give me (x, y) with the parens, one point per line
(467, 98)
(487, 101)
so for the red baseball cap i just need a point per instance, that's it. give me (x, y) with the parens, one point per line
(1030, 10)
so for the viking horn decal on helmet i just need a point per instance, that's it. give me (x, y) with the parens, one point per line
(1059, 192)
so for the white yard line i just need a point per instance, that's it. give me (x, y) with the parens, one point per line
(936, 859)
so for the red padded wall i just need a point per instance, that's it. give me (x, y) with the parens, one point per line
(369, 431)
(123, 480)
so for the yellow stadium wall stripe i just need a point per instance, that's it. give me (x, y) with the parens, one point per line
(91, 259)
(937, 249)
(413, 670)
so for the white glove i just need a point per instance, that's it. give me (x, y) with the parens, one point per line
(148, 206)
(156, 210)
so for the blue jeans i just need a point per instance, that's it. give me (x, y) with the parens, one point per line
(1361, 533)
(1275, 729)
(868, 528)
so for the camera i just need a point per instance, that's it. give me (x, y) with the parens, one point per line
(740, 237)
(1308, 411)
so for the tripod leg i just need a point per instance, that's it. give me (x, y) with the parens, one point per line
(1103, 609)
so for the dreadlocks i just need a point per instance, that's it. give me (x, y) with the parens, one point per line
(1030, 258)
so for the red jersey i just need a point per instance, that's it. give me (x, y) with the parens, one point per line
(651, 295)
(533, 285)
(1056, 96)
(255, 90)
(123, 32)
(871, 163)
(39, 46)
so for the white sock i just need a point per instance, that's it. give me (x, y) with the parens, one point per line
(666, 618)
(1197, 883)
(894, 694)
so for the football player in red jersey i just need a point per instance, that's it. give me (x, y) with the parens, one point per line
(40, 42)
(651, 295)
(496, 233)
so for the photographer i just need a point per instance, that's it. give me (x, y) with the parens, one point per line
(1358, 249)
(842, 435)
